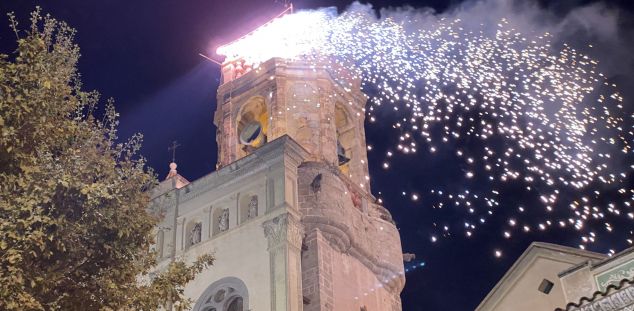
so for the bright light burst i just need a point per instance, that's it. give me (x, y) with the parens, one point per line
(519, 111)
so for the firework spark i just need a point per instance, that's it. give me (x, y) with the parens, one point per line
(520, 111)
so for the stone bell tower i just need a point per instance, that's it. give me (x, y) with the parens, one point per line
(301, 100)
(350, 256)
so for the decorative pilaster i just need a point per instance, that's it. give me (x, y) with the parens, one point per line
(284, 234)
(180, 232)
(208, 228)
(270, 193)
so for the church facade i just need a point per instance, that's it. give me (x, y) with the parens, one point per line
(288, 214)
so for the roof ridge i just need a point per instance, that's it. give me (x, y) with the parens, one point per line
(569, 249)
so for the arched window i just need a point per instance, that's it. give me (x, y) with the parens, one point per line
(227, 294)
(252, 121)
(345, 138)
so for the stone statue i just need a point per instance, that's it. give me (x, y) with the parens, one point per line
(253, 207)
(195, 234)
(223, 220)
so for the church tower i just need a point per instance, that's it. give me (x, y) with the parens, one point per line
(288, 214)
(351, 251)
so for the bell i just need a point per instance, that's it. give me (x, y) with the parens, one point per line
(252, 134)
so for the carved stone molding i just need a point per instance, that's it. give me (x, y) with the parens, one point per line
(283, 149)
(282, 229)
(339, 237)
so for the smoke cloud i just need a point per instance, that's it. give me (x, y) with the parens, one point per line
(608, 29)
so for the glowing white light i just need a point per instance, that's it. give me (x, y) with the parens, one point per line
(497, 253)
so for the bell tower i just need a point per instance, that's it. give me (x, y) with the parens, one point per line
(351, 257)
(323, 114)
(288, 214)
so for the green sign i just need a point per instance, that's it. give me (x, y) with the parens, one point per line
(615, 275)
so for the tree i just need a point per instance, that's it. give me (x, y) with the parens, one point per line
(75, 232)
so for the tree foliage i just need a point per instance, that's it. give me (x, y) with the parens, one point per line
(75, 231)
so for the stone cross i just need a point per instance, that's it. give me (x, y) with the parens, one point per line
(172, 148)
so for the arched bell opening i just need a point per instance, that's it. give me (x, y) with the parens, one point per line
(344, 140)
(252, 125)
(342, 155)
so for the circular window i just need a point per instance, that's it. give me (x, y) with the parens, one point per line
(251, 133)
(227, 294)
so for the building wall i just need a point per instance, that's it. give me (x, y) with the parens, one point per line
(230, 251)
(578, 284)
(524, 295)
(519, 290)
(352, 254)
(263, 252)
(333, 280)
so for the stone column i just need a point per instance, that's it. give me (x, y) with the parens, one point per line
(284, 234)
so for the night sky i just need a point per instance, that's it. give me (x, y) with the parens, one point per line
(144, 54)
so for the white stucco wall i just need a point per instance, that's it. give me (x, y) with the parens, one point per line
(239, 253)
(518, 289)
(524, 294)
(244, 250)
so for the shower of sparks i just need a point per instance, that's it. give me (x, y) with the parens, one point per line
(520, 113)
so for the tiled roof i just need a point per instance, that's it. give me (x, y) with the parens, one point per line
(598, 295)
